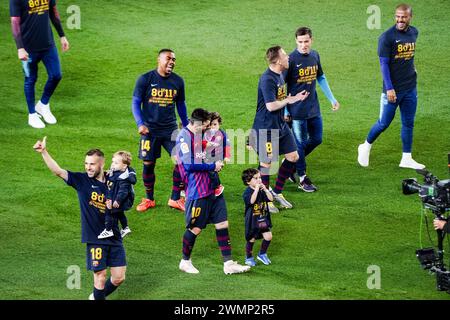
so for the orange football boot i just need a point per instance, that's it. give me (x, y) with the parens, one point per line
(145, 205)
(177, 204)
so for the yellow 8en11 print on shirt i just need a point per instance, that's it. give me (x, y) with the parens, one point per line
(405, 50)
(38, 6)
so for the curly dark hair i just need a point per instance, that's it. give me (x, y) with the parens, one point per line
(216, 116)
(248, 174)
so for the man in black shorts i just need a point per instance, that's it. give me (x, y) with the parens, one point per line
(202, 206)
(271, 135)
(156, 95)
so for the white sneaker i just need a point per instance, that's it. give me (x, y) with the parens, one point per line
(231, 266)
(35, 121)
(125, 231)
(106, 234)
(363, 155)
(91, 297)
(186, 266)
(410, 163)
(44, 110)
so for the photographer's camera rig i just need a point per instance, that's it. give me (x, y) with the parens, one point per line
(435, 196)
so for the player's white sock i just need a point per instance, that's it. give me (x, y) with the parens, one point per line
(406, 156)
(367, 145)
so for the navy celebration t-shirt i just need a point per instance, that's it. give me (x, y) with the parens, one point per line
(271, 87)
(35, 27)
(304, 69)
(399, 47)
(92, 198)
(259, 207)
(159, 96)
(255, 214)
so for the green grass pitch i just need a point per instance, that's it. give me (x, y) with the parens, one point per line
(322, 248)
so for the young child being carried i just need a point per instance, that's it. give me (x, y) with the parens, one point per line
(217, 147)
(120, 196)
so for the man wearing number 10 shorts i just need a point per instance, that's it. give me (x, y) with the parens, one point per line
(202, 206)
(91, 189)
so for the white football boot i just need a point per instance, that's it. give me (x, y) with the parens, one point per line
(231, 267)
(186, 266)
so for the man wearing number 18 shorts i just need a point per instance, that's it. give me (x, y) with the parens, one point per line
(91, 189)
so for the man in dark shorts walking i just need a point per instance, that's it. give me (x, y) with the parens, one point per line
(271, 135)
(156, 95)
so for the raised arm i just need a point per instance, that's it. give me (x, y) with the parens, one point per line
(254, 195)
(41, 147)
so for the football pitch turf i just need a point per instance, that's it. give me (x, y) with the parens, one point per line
(324, 248)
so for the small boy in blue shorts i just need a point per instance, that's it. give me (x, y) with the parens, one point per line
(257, 216)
